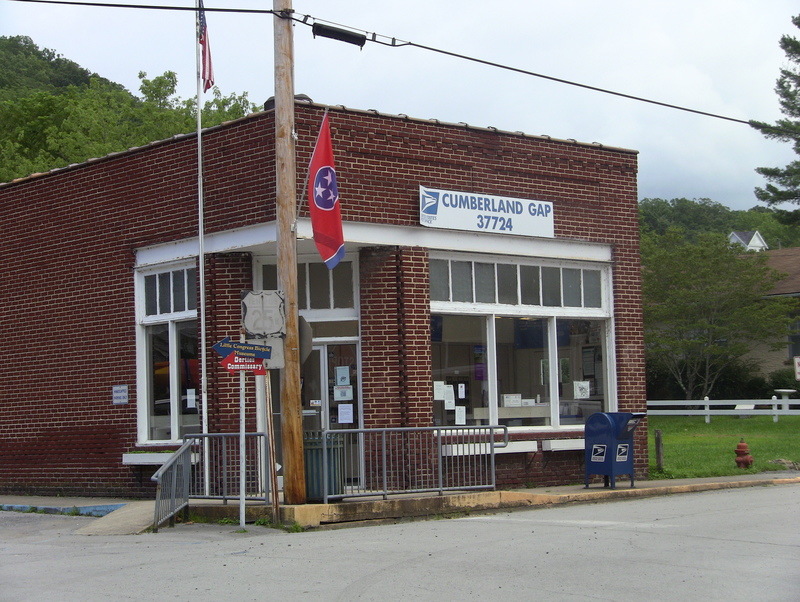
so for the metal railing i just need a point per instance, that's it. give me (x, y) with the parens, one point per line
(172, 486)
(216, 463)
(339, 464)
(724, 407)
(390, 461)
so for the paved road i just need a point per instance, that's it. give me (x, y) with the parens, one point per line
(723, 545)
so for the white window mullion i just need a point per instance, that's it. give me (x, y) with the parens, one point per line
(552, 356)
(491, 367)
(174, 382)
(609, 367)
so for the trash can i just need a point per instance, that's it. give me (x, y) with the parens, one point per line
(609, 445)
(315, 457)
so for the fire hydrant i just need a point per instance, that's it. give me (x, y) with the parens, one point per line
(743, 457)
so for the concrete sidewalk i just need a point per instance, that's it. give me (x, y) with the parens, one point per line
(123, 517)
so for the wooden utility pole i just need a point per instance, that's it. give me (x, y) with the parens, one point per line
(294, 478)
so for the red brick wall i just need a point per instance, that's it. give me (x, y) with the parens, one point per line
(395, 337)
(67, 250)
(227, 275)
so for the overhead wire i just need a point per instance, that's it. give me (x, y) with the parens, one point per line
(383, 40)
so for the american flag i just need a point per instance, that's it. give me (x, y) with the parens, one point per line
(206, 69)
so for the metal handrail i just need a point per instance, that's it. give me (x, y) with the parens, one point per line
(351, 463)
(172, 485)
(392, 461)
(218, 455)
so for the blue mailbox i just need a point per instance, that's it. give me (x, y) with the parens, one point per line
(609, 445)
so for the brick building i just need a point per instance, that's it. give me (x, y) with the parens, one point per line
(533, 323)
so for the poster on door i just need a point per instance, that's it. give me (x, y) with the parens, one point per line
(342, 375)
(345, 413)
(343, 393)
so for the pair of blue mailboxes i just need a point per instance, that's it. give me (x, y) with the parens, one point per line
(609, 445)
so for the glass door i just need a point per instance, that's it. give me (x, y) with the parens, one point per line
(331, 400)
(342, 408)
(313, 399)
(330, 388)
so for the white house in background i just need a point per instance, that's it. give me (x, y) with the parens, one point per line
(752, 241)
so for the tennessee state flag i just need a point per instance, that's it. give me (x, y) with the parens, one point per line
(323, 199)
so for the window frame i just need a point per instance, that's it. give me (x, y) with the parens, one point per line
(330, 314)
(491, 311)
(144, 385)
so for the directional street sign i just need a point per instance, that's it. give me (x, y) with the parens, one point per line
(234, 363)
(225, 347)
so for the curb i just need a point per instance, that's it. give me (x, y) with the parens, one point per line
(353, 513)
(93, 511)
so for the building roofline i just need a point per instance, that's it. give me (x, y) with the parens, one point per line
(340, 108)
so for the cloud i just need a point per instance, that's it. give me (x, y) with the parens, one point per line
(712, 55)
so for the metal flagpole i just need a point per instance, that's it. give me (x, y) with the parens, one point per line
(201, 260)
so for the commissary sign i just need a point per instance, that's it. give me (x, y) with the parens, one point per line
(484, 213)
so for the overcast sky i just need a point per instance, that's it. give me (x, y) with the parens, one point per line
(718, 56)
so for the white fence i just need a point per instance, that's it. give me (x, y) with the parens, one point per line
(726, 407)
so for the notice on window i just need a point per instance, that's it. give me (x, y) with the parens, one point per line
(462, 390)
(581, 389)
(438, 390)
(342, 375)
(449, 397)
(343, 392)
(461, 416)
(345, 413)
(191, 398)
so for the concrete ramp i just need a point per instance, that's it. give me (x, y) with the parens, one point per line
(131, 519)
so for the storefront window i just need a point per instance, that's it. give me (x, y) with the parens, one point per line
(523, 393)
(581, 387)
(512, 284)
(535, 355)
(169, 385)
(459, 370)
(173, 379)
(318, 288)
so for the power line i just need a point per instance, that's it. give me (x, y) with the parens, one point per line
(310, 20)
(395, 43)
(151, 6)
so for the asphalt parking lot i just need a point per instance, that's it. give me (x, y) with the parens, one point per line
(732, 544)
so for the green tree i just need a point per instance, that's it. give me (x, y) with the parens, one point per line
(784, 183)
(704, 308)
(699, 216)
(43, 130)
(24, 67)
(691, 216)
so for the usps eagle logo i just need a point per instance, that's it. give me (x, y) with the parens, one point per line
(326, 192)
(428, 201)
